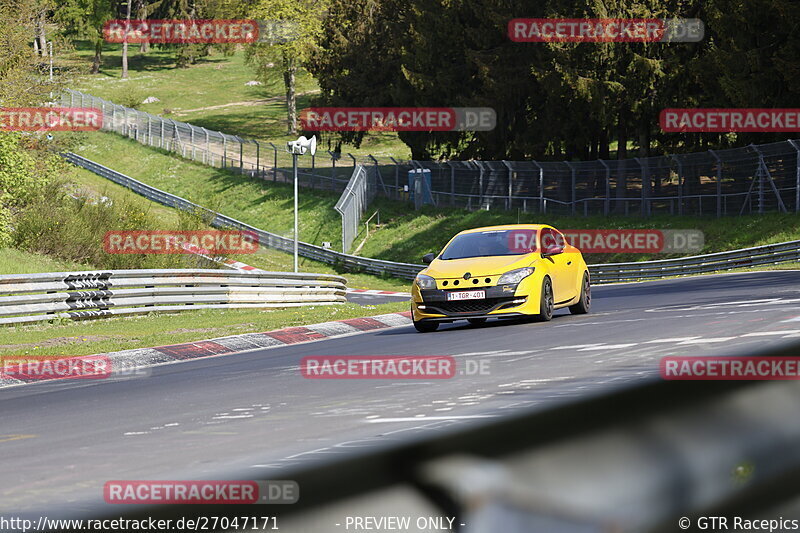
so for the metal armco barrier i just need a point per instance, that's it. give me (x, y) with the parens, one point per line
(94, 294)
(601, 273)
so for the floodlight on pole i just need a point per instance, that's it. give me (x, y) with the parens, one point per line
(296, 148)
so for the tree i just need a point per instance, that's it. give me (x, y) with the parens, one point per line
(300, 22)
(85, 19)
(22, 82)
(125, 40)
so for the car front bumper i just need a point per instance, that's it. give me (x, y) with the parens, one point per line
(503, 301)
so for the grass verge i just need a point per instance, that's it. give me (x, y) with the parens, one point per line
(159, 329)
(404, 234)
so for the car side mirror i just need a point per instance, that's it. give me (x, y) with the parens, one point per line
(551, 251)
(428, 258)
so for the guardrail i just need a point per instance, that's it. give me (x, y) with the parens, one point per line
(601, 273)
(92, 294)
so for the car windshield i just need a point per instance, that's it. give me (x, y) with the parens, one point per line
(491, 243)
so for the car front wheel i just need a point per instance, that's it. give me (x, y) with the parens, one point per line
(546, 301)
(585, 301)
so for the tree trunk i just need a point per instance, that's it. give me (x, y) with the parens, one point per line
(40, 34)
(125, 40)
(291, 98)
(603, 150)
(141, 14)
(98, 52)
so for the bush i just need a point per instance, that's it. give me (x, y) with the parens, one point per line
(73, 229)
(24, 172)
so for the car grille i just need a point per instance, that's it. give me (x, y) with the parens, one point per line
(468, 306)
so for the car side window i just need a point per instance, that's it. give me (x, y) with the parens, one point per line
(551, 241)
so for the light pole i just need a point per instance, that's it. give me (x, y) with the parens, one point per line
(50, 45)
(296, 148)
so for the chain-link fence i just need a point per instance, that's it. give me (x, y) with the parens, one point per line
(750, 179)
(364, 185)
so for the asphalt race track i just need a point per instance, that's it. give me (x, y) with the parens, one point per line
(61, 441)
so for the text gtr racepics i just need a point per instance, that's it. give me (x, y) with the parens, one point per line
(522, 270)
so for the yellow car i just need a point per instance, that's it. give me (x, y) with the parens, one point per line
(513, 271)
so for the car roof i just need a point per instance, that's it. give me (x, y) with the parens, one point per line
(507, 227)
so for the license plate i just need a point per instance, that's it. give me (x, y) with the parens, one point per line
(466, 295)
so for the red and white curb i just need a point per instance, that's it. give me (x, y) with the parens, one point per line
(230, 263)
(238, 265)
(373, 291)
(127, 361)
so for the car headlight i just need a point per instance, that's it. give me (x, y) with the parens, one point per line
(425, 282)
(515, 276)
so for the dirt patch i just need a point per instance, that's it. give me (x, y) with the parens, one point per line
(260, 101)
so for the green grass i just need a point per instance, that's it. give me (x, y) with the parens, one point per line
(13, 261)
(404, 234)
(265, 205)
(407, 235)
(159, 329)
(194, 94)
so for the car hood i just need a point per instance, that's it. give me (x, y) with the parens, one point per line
(478, 266)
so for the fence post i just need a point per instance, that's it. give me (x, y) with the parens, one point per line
(396, 178)
(333, 168)
(207, 155)
(274, 162)
(645, 209)
(452, 183)
(378, 173)
(572, 187)
(161, 142)
(313, 169)
(680, 183)
(607, 200)
(510, 185)
(541, 187)
(241, 155)
(258, 158)
(719, 182)
(192, 140)
(797, 179)
(480, 184)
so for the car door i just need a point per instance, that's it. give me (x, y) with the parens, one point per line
(572, 263)
(552, 242)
